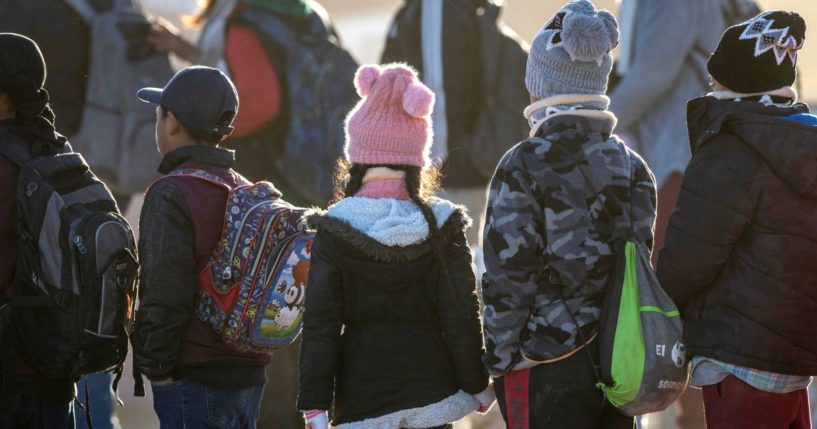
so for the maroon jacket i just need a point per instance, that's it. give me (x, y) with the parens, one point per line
(8, 216)
(180, 225)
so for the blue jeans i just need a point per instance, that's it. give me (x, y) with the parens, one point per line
(102, 402)
(185, 404)
(25, 412)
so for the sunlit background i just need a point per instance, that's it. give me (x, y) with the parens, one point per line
(363, 25)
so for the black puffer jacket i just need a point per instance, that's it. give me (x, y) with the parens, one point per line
(741, 248)
(383, 330)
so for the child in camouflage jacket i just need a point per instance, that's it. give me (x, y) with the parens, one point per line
(557, 201)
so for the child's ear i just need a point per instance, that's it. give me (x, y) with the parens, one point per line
(173, 126)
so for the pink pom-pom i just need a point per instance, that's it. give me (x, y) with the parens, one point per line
(365, 78)
(418, 100)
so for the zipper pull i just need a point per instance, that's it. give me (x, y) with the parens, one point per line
(80, 245)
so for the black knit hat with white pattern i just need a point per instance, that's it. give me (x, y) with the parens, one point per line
(759, 55)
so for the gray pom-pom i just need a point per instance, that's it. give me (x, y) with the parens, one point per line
(585, 37)
(581, 6)
(612, 27)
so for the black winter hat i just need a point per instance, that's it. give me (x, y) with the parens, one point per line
(21, 62)
(22, 76)
(759, 55)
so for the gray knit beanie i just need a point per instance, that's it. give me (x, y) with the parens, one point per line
(571, 53)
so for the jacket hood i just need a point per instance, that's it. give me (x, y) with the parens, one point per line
(387, 229)
(789, 148)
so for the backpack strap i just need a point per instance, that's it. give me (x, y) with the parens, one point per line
(204, 175)
(596, 366)
(277, 29)
(269, 25)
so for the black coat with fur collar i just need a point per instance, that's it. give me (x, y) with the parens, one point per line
(383, 330)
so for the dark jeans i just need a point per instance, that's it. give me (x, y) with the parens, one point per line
(561, 394)
(187, 404)
(735, 404)
(24, 412)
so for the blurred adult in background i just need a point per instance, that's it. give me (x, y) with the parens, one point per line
(64, 40)
(475, 66)
(100, 50)
(245, 39)
(661, 65)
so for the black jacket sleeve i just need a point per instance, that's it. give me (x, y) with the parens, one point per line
(168, 286)
(320, 349)
(458, 313)
(714, 207)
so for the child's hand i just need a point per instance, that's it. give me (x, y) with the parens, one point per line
(316, 419)
(486, 399)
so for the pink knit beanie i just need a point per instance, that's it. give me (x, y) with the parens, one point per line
(391, 125)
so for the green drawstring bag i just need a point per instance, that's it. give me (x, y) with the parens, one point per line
(643, 366)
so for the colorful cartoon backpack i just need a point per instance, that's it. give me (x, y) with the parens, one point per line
(252, 290)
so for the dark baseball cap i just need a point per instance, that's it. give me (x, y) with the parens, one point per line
(201, 98)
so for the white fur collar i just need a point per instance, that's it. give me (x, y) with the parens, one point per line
(390, 221)
(446, 411)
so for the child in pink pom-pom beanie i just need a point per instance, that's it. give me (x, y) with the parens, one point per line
(391, 335)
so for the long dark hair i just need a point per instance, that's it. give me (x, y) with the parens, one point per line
(421, 184)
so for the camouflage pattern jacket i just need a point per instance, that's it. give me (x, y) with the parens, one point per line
(560, 204)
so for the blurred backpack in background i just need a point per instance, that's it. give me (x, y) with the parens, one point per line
(318, 80)
(116, 135)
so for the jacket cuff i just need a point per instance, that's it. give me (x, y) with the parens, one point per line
(154, 371)
(487, 397)
(307, 402)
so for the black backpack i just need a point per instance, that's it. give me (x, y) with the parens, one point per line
(75, 276)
